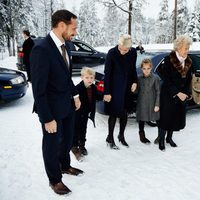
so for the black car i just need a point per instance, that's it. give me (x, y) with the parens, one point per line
(13, 84)
(82, 55)
(157, 58)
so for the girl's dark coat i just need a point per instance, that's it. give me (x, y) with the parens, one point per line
(175, 79)
(120, 74)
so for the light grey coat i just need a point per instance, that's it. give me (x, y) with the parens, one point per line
(148, 97)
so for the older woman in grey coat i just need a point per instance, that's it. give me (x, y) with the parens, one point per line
(148, 101)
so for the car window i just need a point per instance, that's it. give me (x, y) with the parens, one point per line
(82, 47)
(159, 69)
(141, 57)
(195, 62)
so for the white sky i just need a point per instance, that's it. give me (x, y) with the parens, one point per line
(151, 10)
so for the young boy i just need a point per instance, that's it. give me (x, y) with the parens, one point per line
(148, 102)
(87, 94)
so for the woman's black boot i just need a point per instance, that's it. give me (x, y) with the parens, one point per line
(122, 140)
(162, 139)
(169, 139)
(111, 143)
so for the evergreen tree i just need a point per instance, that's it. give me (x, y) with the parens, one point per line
(182, 16)
(89, 23)
(114, 24)
(163, 25)
(193, 28)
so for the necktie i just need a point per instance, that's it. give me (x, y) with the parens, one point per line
(64, 54)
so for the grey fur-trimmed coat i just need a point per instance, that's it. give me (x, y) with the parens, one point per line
(148, 98)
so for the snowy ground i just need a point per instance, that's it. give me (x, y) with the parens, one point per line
(141, 172)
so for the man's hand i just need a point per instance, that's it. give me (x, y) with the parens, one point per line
(133, 87)
(51, 127)
(77, 103)
(107, 97)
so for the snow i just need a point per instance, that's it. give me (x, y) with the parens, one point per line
(141, 172)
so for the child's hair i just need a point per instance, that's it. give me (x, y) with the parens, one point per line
(146, 61)
(87, 71)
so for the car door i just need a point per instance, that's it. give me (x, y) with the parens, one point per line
(84, 55)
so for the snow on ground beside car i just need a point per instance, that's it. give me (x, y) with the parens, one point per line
(141, 172)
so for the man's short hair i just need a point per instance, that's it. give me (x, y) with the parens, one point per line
(26, 32)
(62, 16)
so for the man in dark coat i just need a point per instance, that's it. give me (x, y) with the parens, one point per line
(54, 92)
(175, 90)
(26, 49)
(120, 82)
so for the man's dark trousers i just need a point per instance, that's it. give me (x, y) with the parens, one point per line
(55, 146)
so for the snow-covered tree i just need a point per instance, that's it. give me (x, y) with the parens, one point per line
(182, 16)
(114, 24)
(14, 14)
(163, 25)
(193, 28)
(89, 30)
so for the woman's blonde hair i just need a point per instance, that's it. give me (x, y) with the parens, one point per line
(87, 71)
(146, 61)
(125, 40)
(181, 40)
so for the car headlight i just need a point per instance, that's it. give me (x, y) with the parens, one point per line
(17, 80)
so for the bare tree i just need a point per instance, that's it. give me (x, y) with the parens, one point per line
(126, 6)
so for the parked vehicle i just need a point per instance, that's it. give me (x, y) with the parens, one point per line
(13, 84)
(157, 58)
(82, 55)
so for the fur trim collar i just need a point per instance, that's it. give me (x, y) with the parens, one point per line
(177, 64)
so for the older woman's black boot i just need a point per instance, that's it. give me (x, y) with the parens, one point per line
(162, 139)
(169, 139)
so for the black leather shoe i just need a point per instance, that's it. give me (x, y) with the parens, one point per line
(73, 171)
(111, 144)
(60, 188)
(122, 140)
(171, 142)
(83, 150)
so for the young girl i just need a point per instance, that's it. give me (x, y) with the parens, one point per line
(148, 101)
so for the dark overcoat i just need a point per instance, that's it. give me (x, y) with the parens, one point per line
(175, 79)
(53, 88)
(27, 47)
(120, 74)
(87, 108)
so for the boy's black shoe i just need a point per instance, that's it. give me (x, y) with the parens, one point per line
(83, 150)
(76, 151)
